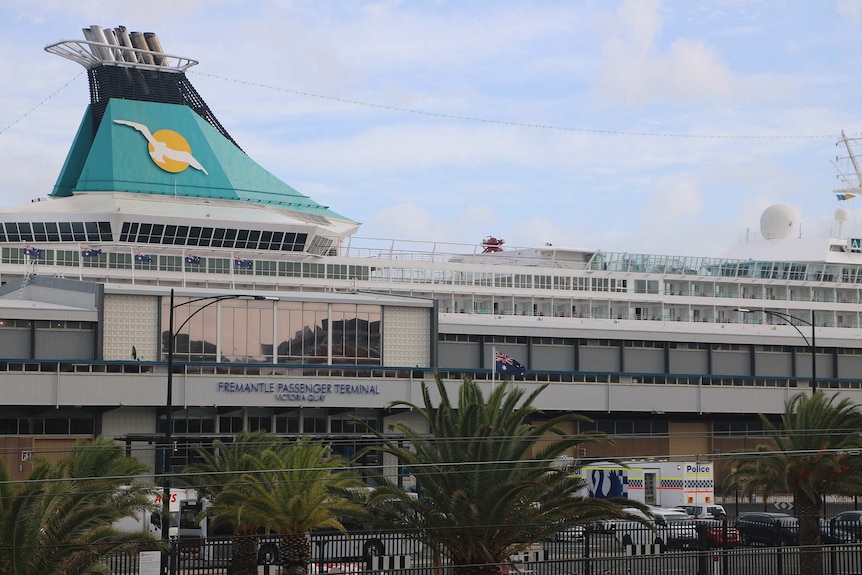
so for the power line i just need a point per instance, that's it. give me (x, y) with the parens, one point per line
(476, 119)
(40, 104)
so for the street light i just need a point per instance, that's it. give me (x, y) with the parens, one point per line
(169, 405)
(794, 321)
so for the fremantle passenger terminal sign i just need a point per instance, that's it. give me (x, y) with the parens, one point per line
(297, 392)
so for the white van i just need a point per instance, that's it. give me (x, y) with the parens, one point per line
(672, 528)
(704, 511)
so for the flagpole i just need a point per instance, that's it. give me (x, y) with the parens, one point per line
(493, 367)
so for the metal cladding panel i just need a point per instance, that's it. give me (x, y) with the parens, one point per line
(648, 360)
(63, 344)
(553, 358)
(34, 389)
(731, 362)
(148, 390)
(688, 361)
(600, 359)
(458, 354)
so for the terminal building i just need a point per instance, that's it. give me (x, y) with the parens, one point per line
(161, 230)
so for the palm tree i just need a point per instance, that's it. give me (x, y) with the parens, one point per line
(61, 520)
(216, 469)
(809, 457)
(484, 469)
(289, 491)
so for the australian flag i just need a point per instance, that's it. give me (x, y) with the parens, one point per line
(34, 253)
(194, 260)
(241, 263)
(88, 252)
(509, 366)
(142, 257)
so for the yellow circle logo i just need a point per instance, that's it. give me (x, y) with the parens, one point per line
(170, 151)
(172, 141)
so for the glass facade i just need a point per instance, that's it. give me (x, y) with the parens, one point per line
(252, 331)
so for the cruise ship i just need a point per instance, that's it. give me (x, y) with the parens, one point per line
(162, 234)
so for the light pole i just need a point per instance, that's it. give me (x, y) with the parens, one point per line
(794, 321)
(169, 403)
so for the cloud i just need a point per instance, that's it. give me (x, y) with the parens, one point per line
(415, 222)
(636, 72)
(850, 8)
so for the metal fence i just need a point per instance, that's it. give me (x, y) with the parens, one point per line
(604, 550)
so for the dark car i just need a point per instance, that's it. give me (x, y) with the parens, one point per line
(771, 529)
(849, 521)
(835, 531)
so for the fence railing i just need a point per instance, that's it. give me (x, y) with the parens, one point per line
(699, 548)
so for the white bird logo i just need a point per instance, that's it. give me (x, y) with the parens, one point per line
(169, 150)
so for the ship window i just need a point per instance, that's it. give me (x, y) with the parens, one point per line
(158, 230)
(277, 239)
(266, 268)
(229, 238)
(169, 263)
(25, 231)
(206, 236)
(218, 237)
(39, 234)
(313, 270)
(289, 242)
(218, 265)
(92, 230)
(242, 239)
(68, 257)
(265, 240)
(78, 234)
(51, 233)
(290, 269)
(194, 236)
(253, 238)
(12, 232)
(123, 261)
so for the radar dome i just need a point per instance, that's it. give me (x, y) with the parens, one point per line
(841, 215)
(778, 222)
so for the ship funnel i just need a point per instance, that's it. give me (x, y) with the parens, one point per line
(119, 47)
(125, 41)
(139, 42)
(156, 46)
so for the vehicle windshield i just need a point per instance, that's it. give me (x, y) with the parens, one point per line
(677, 518)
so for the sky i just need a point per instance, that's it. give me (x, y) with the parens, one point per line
(641, 126)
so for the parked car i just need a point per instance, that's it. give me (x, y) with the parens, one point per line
(714, 532)
(850, 521)
(704, 511)
(836, 532)
(771, 529)
(574, 533)
(670, 527)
